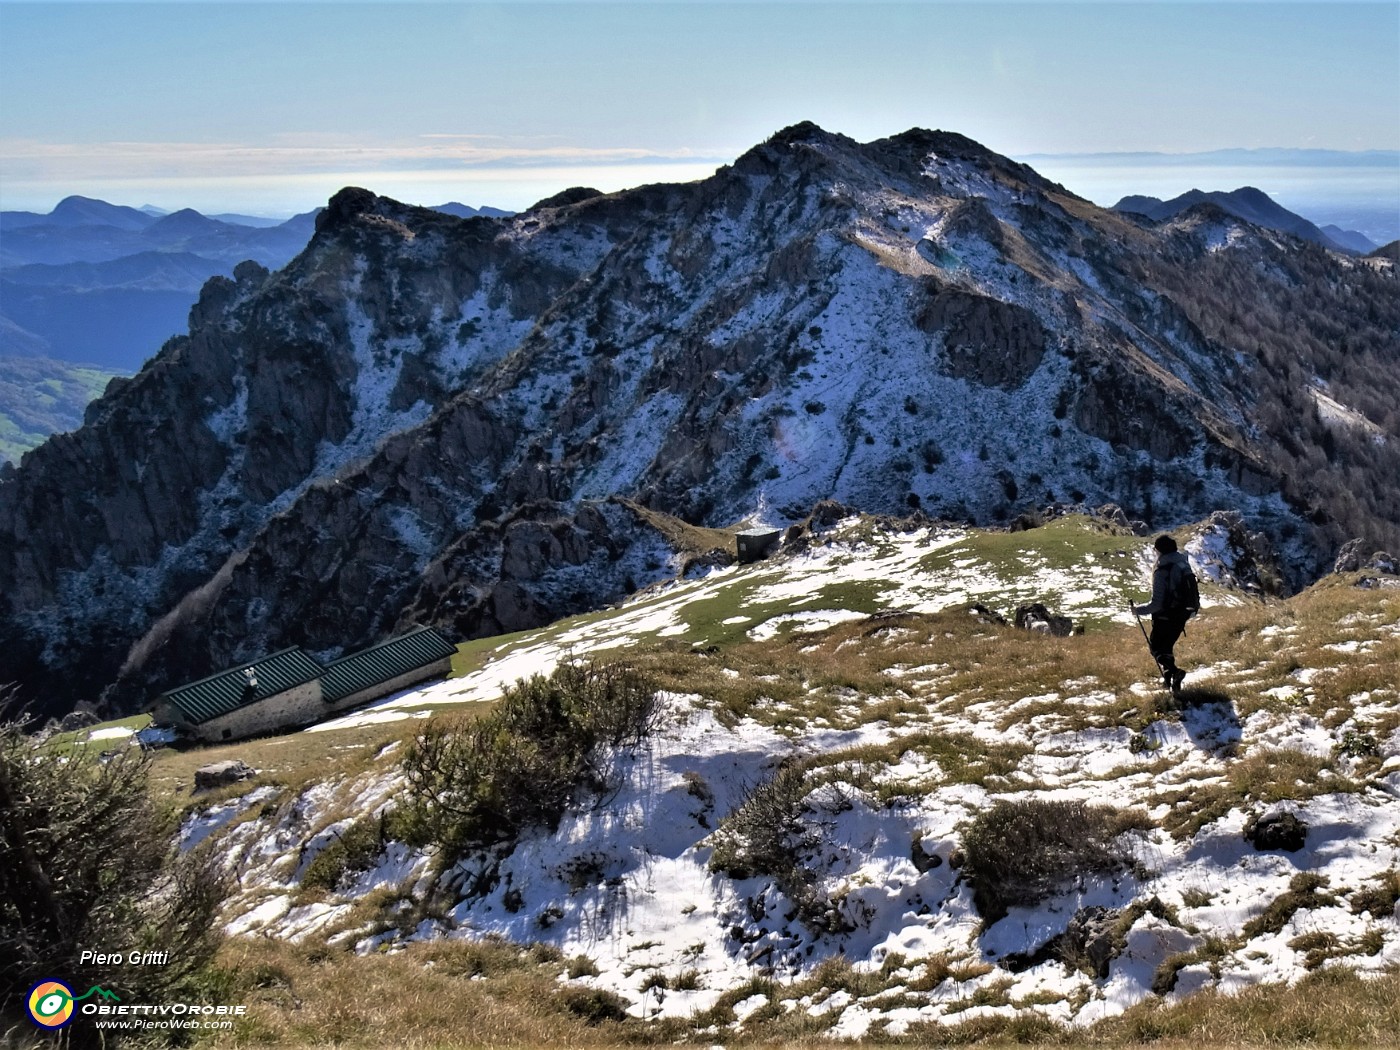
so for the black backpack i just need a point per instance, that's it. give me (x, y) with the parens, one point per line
(1183, 591)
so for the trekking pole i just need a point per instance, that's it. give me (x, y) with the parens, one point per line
(1141, 628)
(1144, 635)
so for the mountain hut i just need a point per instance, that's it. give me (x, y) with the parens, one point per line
(270, 693)
(290, 688)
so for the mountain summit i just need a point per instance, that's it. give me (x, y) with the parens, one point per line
(1254, 206)
(426, 419)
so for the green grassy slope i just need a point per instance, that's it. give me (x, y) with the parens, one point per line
(40, 396)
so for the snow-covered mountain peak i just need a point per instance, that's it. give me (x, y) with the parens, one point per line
(908, 324)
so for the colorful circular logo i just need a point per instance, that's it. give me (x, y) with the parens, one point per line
(51, 1004)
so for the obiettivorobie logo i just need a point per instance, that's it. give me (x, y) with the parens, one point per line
(51, 1002)
(52, 1005)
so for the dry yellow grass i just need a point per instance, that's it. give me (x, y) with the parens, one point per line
(851, 674)
(292, 760)
(486, 995)
(445, 994)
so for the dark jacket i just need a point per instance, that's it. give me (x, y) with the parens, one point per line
(1161, 582)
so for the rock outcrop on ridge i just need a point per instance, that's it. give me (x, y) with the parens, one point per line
(424, 417)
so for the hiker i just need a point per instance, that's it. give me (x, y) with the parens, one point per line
(1174, 601)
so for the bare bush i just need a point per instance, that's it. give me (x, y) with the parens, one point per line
(766, 835)
(1019, 853)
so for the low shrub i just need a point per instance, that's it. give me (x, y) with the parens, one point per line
(687, 981)
(1020, 852)
(1318, 947)
(1356, 744)
(354, 850)
(475, 783)
(581, 966)
(766, 835)
(1379, 899)
(594, 1005)
(1195, 897)
(1211, 952)
(1302, 893)
(88, 860)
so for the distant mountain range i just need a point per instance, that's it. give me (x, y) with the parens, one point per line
(92, 290)
(1253, 206)
(1278, 156)
(106, 285)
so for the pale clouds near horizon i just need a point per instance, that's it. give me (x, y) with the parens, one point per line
(273, 107)
(287, 178)
(515, 172)
(34, 160)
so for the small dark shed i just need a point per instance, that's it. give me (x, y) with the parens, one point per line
(754, 544)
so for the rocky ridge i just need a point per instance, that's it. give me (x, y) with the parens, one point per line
(419, 408)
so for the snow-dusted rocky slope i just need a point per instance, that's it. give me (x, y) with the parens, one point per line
(423, 418)
(1289, 709)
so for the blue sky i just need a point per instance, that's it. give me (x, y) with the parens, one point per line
(271, 107)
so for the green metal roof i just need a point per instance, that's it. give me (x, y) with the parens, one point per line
(383, 662)
(228, 690)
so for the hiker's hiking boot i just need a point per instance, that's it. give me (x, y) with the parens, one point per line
(1175, 678)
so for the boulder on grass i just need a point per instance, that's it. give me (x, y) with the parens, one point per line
(1276, 831)
(206, 778)
(1351, 559)
(1036, 617)
(987, 616)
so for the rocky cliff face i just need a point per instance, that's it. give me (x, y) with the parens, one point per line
(425, 418)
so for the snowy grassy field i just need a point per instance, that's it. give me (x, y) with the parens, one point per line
(855, 670)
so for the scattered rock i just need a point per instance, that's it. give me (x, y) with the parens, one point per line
(78, 719)
(1090, 939)
(828, 512)
(990, 616)
(1113, 514)
(1370, 583)
(1090, 943)
(1350, 559)
(922, 860)
(1226, 551)
(218, 774)
(696, 565)
(1276, 831)
(1036, 617)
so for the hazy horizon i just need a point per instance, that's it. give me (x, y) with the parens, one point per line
(270, 108)
(1354, 189)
